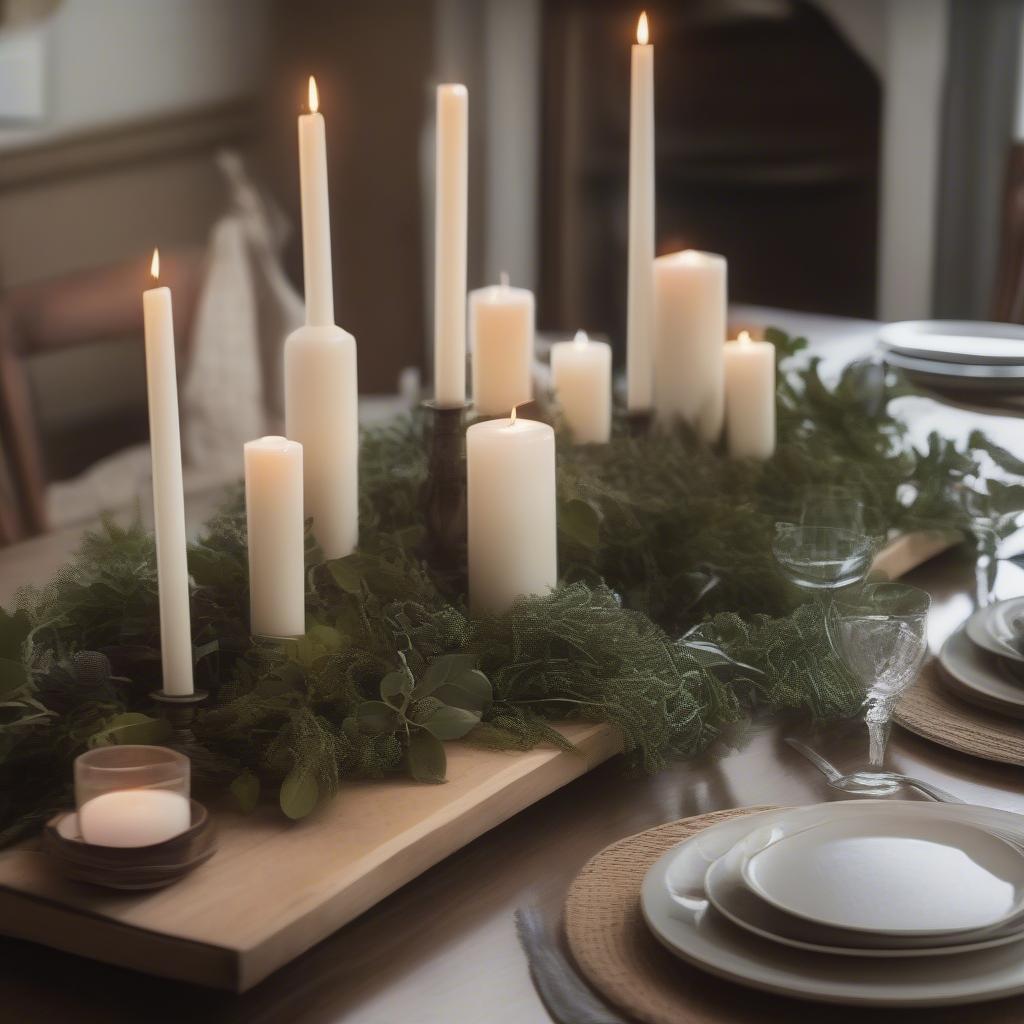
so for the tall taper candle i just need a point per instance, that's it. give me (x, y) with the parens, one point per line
(640, 296)
(512, 537)
(273, 512)
(689, 331)
(451, 197)
(168, 489)
(316, 216)
(321, 389)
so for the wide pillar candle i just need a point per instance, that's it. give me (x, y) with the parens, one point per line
(689, 331)
(750, 398)
(273, 510)
(320, 378)
(134, 817)
(501, 329)
(640, 284)
(450, 226)
(168, 490)
(512, 527)
(581, 373)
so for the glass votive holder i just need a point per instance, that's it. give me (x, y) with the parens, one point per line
(131, 795)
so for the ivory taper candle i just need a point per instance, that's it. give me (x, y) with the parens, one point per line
(501, 327)
(168, 489)
(689, 332)
(750, 398)
(320, 379)
(581, 373)
(450, 225)
(512, 531)
(640, 294)
(273, 510)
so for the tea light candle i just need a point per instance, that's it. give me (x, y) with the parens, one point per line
(273, 511)
(512, 529)
(581, 372)
(750, 398)
(689, 333)
(134, 817)
(501, 327)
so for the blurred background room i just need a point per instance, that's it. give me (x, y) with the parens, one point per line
(851, 157)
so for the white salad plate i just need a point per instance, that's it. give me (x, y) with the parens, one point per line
(730, 896)
(956, 341)
(880, 875)
(677, 910)
(994, 628)
(980, 678)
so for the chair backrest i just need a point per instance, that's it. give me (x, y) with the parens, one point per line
(73, 311)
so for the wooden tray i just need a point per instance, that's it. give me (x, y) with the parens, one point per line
(275, 888)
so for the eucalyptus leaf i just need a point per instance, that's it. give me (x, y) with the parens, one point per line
(445, 669)
(376, 718)
(470, 690)
(245, 788)
(581, 522)
(426, 757)
(132, 727)
(299, 794)
(396, 687)
(448, 723)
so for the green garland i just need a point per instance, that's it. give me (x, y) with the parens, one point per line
(672, 622)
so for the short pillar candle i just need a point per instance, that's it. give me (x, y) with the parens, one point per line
(750, 398)
(512, 525)
(273, 509)
(501, 329)
(581, 373)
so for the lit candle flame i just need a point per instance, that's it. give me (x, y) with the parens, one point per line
(642, 31)
(314, 96)
(512, 417)
(581, 338)
(154, 267)
(744, 337)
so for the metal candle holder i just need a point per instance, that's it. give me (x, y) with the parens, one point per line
(180, 711)
(444, 491)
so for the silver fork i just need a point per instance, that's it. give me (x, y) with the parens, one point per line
(848, 784)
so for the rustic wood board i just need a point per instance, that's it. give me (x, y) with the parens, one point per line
(275, 888)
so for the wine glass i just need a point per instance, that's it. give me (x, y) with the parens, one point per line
(879, 632)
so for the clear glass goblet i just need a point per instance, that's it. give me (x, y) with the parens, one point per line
(879, 632)
(822, 558)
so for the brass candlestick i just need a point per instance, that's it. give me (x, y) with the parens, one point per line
(444, 491)
(180, 712)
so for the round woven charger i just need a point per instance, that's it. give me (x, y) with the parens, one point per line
(631, 969)
(930, 710)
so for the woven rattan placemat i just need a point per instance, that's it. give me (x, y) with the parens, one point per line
(930, 710)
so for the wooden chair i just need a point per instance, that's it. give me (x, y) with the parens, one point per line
(76, 310)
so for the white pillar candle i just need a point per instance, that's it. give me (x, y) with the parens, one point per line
(689, 331)
(512, 531)
(581, 372)
(168, 489)
(750, 398)
(320, 379)
(316, 216)
(273, 511)
(134, 817)
(501, 327)
(451, 197)
(640, 295)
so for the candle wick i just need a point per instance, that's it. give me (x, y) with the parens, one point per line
(504, 279)
(581, 338)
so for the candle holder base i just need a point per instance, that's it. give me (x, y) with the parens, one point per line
(639, 422)
(180, 712)
(444, 491)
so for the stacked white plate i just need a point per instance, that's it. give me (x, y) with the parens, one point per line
(958, 355)
(871, 903)
(983, 663)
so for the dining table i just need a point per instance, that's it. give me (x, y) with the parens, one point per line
(444, 948)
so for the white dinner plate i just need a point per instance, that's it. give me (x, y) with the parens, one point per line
(876, 874)
(992, 628)
(997, 380)
(979, 677)
(730, 896)
(956, 341)
(689, 926)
